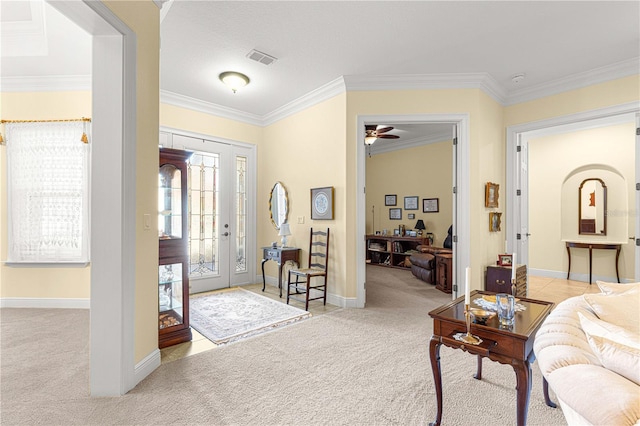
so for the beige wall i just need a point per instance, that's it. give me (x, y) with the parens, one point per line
(425, 171)
(40, 283)
(143, 17)
(557, 166)
(304, 151)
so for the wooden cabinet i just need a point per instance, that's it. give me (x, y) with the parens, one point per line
(173, 269)
(444, 272)
(499, 279)
(392, 251)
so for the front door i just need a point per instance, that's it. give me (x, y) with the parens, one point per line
(217, 223)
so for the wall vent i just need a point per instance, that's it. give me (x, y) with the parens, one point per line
(261, 57)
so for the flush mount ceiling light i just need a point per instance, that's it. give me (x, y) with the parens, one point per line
(235, 80)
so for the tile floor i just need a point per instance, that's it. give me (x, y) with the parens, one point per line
(551, 289)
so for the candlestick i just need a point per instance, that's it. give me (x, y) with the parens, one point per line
(467, 290)
(513, 266)
(469, 338)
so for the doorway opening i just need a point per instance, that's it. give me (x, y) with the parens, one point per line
(460, 200)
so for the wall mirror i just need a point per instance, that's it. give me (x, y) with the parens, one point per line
(278, 205)
(592, 207)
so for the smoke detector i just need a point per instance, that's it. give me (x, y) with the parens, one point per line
(518, 78)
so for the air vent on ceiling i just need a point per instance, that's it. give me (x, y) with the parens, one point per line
(261, 57)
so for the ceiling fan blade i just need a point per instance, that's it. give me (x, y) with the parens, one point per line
(388, 137)
(384, 130)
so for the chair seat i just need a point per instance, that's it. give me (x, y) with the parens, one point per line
(308, 271)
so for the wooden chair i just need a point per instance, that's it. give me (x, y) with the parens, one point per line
(318, 267)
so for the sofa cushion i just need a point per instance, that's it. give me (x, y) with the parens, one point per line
(621, 309)
(610, 288)
(617, 357)
(592, 326)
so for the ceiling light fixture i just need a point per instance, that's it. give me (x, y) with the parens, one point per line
(235, 80)
(368, 140)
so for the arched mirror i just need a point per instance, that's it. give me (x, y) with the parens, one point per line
(278, 205)
(592, 207)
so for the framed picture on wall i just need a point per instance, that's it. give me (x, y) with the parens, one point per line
(491, 194)
(411, 203)
(494, 221)
(395, 214)
(430, 205)
(391, 200)
(322, 203)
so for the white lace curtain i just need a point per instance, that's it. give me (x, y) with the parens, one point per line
(48, 192)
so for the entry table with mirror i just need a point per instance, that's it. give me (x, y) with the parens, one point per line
(591, 247)
(280, 255)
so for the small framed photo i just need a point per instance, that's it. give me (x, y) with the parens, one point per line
(322, 203)
(504, 259)
(411, 203)
(395, 214)
(391, 200)
(430, 205)
(495, 220)
(411, 216)
(491, 194)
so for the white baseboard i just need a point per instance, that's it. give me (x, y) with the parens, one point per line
(332, 299)
(33, 302)
(146, 366)
(574, 276)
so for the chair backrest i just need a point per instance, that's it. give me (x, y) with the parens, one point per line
(318, 249)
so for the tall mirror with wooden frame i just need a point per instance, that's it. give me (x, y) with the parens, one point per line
(278, 205)
(592, 207)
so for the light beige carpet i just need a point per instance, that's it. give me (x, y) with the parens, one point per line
(347, 367)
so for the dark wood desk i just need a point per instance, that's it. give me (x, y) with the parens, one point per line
(513, 346)
(280, 255)
(591, 246)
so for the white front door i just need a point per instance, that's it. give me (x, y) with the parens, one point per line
(217, 188)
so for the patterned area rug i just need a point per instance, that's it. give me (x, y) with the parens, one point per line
(229, 315)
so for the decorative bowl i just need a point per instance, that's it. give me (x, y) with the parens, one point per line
(480, 316)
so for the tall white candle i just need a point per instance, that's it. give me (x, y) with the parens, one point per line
(513, 266)
(467, 289)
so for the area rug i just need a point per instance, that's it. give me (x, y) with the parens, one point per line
(230, 315)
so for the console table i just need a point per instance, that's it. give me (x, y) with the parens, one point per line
(280, 255)
(591, 246)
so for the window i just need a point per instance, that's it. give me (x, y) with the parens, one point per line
(48, 192)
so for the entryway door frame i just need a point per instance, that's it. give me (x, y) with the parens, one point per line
(461, 203)
(517, 166)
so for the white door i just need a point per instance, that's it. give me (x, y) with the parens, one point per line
(637, 182)
(217, 227)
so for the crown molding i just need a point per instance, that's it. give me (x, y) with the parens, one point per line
(575, 81)
(314, 97)
(483, 81)
(187, 102)
(411, 143)
(53, 83)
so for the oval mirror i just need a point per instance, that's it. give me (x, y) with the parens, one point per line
(278, 205)
(592, 207)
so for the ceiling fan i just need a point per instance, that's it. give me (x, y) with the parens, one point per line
(372, 132)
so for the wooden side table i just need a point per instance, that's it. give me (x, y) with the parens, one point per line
(444, 272)
(513, 346)
(591, 247)
(280, 255)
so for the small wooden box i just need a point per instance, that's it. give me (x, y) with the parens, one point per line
(499, 279)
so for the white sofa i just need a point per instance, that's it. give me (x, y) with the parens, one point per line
(588, 350)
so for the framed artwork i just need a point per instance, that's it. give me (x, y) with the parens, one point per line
(491, 194)
(322, 203)
(395, 214)
(411, 216)
(494, 221)
(430, 205)
(411, 203)
(504, 259)
(391, 200)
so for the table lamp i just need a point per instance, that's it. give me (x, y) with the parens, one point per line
(420, 226)
(284, 232)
